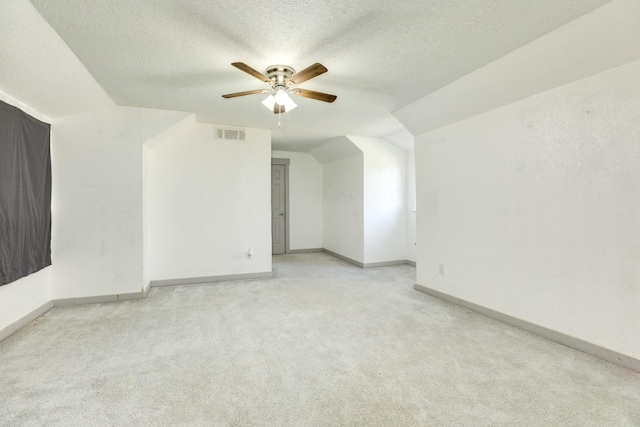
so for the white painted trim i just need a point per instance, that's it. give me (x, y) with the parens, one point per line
(24, 320)
(305, 251)
(385, 263)
(68, 302)
(278, 161)
(98, 299)
(344, 258)
(566, 340)
(210, 279)
(371, 264)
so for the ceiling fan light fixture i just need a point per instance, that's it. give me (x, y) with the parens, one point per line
(283, 80)
(269, 102)
(281, 97)
(289, 105)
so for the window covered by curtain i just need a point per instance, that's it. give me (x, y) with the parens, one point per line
(25, 194)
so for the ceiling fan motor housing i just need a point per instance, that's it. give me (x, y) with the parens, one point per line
(279, 75)
(283, 80)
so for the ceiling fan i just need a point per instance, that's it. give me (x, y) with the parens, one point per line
(283, 81)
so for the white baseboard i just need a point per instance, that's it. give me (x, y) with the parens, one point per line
(24, 320)
(305, 251)
(370, 264)
(98, 299)
(344, 258)
(569, 341)
(385, 263)
(66, 302)
(210, 279)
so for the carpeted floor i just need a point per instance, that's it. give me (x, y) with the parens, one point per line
(323, 343)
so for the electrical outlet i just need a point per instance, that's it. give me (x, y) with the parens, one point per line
(441, 269)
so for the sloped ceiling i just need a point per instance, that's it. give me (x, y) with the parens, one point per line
(604, 39)
(39, 70)
(381, 55)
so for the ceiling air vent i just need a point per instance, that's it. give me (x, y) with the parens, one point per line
(234, 134)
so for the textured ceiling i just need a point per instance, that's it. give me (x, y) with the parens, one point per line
(381, 55)
(28, 45)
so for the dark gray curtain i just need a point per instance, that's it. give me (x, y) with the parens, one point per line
(25, 194)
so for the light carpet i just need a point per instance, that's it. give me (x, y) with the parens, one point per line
(323, 343)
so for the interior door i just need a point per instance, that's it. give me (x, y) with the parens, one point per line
(278, 209)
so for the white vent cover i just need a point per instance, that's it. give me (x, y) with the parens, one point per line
(226, 133)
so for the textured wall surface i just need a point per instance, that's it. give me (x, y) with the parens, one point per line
(19, 298)
(533, 209)
(411, 206)
(343, 206)
(97, 236)
(210, 202)
(385, 207)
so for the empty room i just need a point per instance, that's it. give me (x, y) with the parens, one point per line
(332, 213)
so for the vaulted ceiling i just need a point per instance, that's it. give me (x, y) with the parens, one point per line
(381, 55)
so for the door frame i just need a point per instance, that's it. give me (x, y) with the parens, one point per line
(285, 162)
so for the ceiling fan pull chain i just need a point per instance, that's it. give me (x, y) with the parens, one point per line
(279, 118)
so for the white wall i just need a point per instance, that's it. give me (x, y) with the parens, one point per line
(365, 198)
(169, 133)
(533, 209)
(411, 206)
(97, 244)
(305, 200)
(404, 139)
(19, 298)
(385, 204)
(343, 206)
(209, 203)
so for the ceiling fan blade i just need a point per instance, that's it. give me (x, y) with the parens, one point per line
(320, 96)
(308, 73)
(257, 74)
(248, 92)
